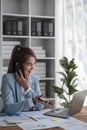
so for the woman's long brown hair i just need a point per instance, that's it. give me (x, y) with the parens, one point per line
(19, 55)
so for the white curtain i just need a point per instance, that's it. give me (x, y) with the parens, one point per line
(75, 37)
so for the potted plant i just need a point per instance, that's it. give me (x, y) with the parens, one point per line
(68, 80)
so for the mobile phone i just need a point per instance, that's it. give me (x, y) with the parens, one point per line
(20, 67)
(40, 99)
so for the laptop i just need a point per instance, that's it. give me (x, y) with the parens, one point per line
(76, 106)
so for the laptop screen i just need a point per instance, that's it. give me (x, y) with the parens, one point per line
(77, 102)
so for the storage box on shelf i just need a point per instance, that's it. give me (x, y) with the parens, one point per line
(14, 25)
(42, 27)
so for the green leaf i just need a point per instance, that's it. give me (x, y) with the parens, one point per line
(64, 63)
(63, 74)
(73, 82)
(72, 90)
(57, 90)
(65, 104)
(62, 97)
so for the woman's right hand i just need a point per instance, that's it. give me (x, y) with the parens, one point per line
(24, 82)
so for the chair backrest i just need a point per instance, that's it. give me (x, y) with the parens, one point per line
(1, 103)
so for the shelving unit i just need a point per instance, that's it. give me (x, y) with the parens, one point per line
(26, 11)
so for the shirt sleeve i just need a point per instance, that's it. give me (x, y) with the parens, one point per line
(30, 102)
(27, 90)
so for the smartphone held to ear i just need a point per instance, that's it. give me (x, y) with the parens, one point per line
(20, 67)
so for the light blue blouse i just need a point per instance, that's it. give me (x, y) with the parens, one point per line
(11, 94)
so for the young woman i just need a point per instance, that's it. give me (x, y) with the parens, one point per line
(20, 87)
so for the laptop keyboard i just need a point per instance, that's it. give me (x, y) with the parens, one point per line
(63, 112)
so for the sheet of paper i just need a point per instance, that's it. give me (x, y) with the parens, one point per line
(35, 113)
(38, 115)
(73, 124)
(13, 120)
(3, 123)
(16, 119)
(41, 124)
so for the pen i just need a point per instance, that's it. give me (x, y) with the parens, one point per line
(33, 118)
(44, 101)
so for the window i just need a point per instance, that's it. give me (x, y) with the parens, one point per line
(75, 36)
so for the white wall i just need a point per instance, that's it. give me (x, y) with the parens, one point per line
(58, 40)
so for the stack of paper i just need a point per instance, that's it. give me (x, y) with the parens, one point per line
(39, 51)
(43, 88)
(8, 47)
(40, 69)
(4, 70)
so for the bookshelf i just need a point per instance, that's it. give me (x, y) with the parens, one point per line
(23, 13)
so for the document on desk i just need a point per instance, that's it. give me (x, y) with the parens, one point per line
(16, 119)
(37, 115)
(13, 120)
(34, 113)
(73, 124)
(38, 125)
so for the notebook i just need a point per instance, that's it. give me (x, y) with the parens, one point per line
(76, 106)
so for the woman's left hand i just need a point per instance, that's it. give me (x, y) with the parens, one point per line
(38, 99)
